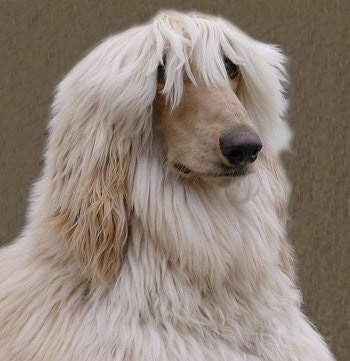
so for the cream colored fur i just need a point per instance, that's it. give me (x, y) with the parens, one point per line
(123, 259)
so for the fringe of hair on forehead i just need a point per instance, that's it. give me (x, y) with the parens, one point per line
(191, 41)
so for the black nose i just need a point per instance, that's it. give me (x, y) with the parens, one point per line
(240, 146)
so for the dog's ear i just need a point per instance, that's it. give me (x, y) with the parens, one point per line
(280, 191)
(101, 122)
(97, 227)
(91, 209)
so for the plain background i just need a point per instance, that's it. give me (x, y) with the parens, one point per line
(40, 40)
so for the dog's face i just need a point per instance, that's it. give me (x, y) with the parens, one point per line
(209, 134)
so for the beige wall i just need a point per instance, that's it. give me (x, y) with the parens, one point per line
(40, 40)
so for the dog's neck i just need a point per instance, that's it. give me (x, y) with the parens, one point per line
(219, 235)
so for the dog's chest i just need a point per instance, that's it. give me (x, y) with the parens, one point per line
(161, 315)
(181, 326)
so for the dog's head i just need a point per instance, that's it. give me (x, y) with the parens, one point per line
(219, 97)
(208, 93)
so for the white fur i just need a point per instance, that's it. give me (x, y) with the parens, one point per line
(201, 275)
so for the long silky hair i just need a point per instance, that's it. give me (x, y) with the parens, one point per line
(102, 119)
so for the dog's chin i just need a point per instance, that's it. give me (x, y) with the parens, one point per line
(222, 175)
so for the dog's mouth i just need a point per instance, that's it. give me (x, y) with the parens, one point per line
(182, 168)
(232, 171)
(223, 171)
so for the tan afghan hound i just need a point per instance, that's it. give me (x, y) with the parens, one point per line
(157, 229)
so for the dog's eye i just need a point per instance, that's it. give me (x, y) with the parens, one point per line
(161, 73)
(231, 68)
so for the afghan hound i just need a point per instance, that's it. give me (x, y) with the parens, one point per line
(157, 230)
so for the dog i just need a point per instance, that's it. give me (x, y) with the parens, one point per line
(157, 230)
